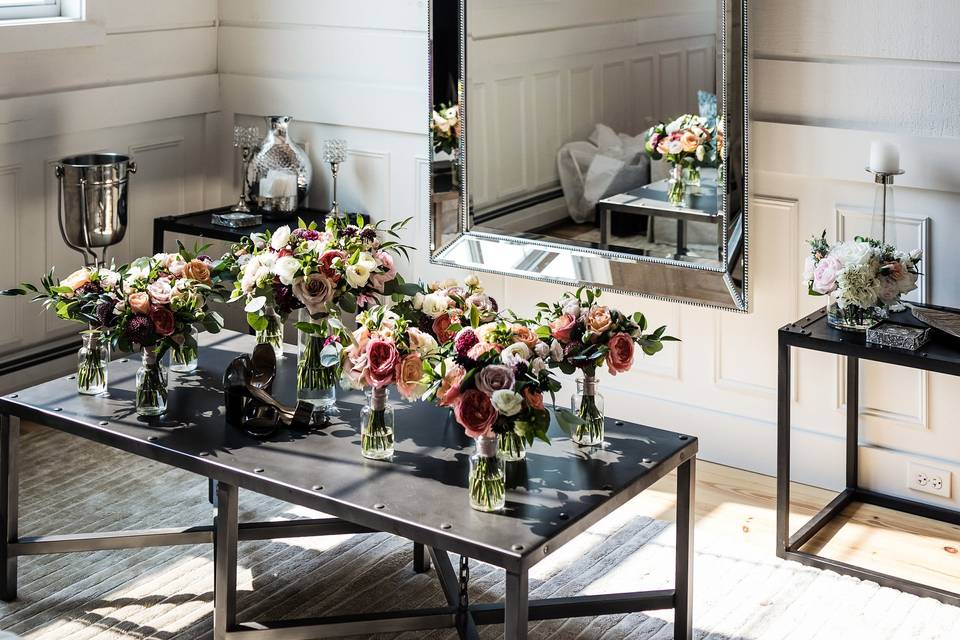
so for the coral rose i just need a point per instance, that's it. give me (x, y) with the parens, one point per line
(475, 413)
(562, 328)
(382, 357)
(441, 327)
(598, 319)
(163, 321)
(449, 390)
(525, 335)
(410, 376)
(197, 270)
(77, 279)
(534, 398)
(139, 302)
(478, 350)
(620, 355)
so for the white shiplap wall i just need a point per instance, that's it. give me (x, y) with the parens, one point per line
(827, 78)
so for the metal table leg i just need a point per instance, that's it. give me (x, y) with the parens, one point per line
(683, 591)
(515, 607)
(226, 534)
(421, 560)
(9, 504)
(853, 422)
(605, 223)
(783, 449)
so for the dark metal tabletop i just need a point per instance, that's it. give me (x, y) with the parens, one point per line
(651, 199)
(941, 354)
(421, 495)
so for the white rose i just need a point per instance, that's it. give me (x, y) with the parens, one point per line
(367, 260)
(259, 240)
(471, 280)
(556, 351)
(514, 354)
(435, 304)
(537, 365)
(674, 147)
(852, 253)
(280, 238)
(243, 260)
(507, 402)
(542, 349)
(418, 301)
(358, 274)
(701, 153)
(286, 269)
(109, 279)
(572, 307)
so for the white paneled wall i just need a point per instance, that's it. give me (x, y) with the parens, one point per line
(827, 78)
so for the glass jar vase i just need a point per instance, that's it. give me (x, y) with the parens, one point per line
(151, 385)
(272, 333)
(186, 357)
(487, 482)
(511, 447)
(852, 317)
(691, 176)
(376, 426)
(587, 404)
(92, 360)
(317, 370)
(676, 187)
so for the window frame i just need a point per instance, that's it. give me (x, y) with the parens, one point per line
(26, 10)
(80, 23)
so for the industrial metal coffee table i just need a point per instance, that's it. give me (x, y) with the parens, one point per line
(421, 495)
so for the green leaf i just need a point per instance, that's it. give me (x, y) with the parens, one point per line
(474, 316)
(257, 322)
(309, 327)
(567, 420)
(410, 289)
(330, 355)
(348, 302)
(13, 292)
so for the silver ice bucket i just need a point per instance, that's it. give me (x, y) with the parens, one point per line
(93, 201)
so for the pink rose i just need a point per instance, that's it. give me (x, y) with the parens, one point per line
(386, 262)
(562, 328)
(361, 336)
(410, 376)
(315, 292)
(477, 351)
(825, 275)
(163, 320)
(355, 373)
(139, 302)
(620, 355)
(475, 413)
(534, 398)
(441, 326)
(382, 357)
(327, 267)
(449, 390)
(160, 291)
(494, 378)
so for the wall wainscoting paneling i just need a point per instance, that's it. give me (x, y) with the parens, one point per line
(10, 250)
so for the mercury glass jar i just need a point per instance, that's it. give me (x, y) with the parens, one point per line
(281, 171)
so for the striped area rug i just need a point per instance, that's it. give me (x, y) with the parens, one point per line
(69, 485)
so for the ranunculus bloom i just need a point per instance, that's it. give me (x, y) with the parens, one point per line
(326, 263)
(410, 376)
(197, 270)
(163, 320)
(562, 328)
(825, 275)
(77, 279)
(441, 327)
(450, 386)
(139, 302)
(507, 401)
(525, 335)
(160, 291)
(534, 398)
(475, 413)
(436, 304)
(176, 266)
(382, 357)
(494, 378)
(315, 292)
(598, 319)
(620, 355)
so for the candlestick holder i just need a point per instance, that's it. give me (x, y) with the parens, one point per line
(245, 139)
(884, 224)
(335, 153)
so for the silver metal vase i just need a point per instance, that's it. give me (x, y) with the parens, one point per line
(281, 171)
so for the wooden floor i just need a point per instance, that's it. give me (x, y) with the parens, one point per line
(741, 507)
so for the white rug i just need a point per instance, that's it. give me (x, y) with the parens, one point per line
(69, 485)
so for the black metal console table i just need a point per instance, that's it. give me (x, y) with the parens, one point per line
(812, 332)
(421, 495)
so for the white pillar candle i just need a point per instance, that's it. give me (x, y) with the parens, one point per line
(884, 157)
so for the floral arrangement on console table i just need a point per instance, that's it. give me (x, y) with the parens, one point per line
(687, 144)
(585, 335)
(863, 278)
(153, 305)
(494, 377)
(323, 274)
(385, 350)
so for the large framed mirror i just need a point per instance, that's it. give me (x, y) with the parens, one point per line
(598, 142)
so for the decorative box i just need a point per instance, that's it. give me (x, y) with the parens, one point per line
(891, 334)
(237, 220)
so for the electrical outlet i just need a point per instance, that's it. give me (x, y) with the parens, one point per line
(930, 480)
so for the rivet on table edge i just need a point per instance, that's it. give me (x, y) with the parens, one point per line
(58, 409)
(125, 360)
(71, 377)
(563, 516)
(317, 487)
(684, 437)
(379, 506)
(104, 423)
(204, 454)
(152, 438)
(258, 470)
(517, 547)
(446, 525)
(14, 395)
(646, 461)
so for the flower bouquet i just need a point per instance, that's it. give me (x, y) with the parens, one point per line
(687, 143)
(494, 377)
(445, 135)
(585, 335)
(160, 304)
(864, 279)
(385, 350)
(441, 308)
(343, 268)
(85, 296)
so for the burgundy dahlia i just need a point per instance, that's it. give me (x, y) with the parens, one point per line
(105, 315)
(466, 339)
(286, 301)
(89, 288)
(139, 330)
(349, 231)
(369, 234)
(307, 234)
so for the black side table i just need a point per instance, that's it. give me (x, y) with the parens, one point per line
(813, 332)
